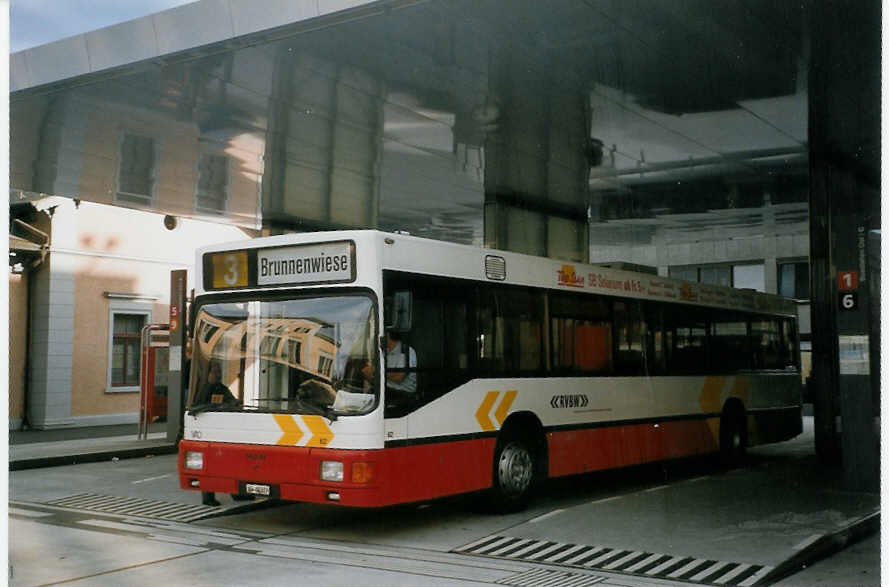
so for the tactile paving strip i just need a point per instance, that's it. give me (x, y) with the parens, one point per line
(634, 562)
(130, 506)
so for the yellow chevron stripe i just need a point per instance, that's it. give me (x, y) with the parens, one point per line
(481, 414)
(710, 399)
(292, 432)
(321, 433)
(505, 404)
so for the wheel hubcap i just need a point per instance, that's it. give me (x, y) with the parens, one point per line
(515, 469)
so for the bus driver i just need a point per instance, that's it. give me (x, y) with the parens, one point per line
(214, 392)
(396, 353)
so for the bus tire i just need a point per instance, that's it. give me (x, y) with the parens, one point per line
(514, 473)
(733, 435)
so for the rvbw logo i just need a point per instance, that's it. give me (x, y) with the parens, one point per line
(577, 400)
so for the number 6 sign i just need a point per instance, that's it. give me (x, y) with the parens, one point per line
(849, 301)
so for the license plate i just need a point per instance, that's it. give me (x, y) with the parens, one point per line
(255, 489)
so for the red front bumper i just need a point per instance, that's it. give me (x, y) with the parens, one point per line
(400, 475)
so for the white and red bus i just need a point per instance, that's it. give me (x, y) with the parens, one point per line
(366, 369)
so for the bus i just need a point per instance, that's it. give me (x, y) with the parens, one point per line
(363, 368)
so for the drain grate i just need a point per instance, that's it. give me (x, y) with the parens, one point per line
(131, 506)
(549, 578)
(634, 562)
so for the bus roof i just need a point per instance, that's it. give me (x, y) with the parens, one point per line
(411, 254)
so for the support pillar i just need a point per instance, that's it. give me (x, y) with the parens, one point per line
(844, 141)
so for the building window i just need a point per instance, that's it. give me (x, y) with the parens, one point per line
(324, 365)
(793, 280)
(716, 275)
(136, 170)
(685, 273)
(749, 276)
(712, 274)
(211, 194)
(125, 355)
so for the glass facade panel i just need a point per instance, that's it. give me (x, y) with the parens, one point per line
(135, 176)
(543, 128)
(793, 280)
(212, 186)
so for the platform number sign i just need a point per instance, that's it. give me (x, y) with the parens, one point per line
(847, 284)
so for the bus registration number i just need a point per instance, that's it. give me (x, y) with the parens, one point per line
(255, 489)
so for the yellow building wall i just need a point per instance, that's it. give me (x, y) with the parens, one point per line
(129, 254)
(92, 323)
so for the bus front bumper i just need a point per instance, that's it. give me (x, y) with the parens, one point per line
(288, 473)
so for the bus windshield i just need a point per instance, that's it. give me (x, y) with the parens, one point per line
(303, 356)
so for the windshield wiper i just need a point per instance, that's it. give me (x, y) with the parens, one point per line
(316, 409)
(211, 408)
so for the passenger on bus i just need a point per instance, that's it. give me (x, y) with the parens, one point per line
(396, 353)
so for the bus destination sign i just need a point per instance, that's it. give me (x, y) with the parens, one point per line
(321, 263)
(332, 262)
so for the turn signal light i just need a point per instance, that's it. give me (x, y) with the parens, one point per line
(362, 472)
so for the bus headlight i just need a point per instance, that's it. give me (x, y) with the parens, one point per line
(331, 471)
(194, 460)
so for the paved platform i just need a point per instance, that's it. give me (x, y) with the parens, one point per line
(748, 526)
(35, 449)
(759, 524)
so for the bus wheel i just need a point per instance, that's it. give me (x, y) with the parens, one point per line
(732, 436)
(513, 475)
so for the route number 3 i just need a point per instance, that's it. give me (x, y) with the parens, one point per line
(229, 269)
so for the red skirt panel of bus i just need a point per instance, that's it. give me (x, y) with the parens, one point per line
(398, 475)
(593, 449)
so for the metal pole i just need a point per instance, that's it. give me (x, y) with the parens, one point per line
(143, 382)
(175, 392)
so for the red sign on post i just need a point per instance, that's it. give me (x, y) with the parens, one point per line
(174, 318)
(847, 280)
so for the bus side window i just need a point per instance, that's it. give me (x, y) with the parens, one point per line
(728, 342)
(511, 331)
(439, 335)
(788, 346)
(655, 339)
(766, 341)
(629, 328)
(689, 352)
(580, 335)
